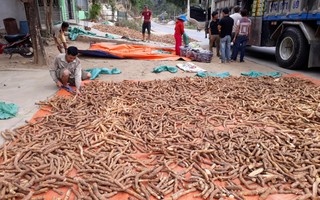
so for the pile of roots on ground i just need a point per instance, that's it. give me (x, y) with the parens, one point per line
(210, 138)
(134, 34)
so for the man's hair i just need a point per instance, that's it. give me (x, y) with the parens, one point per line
(145, 6)
(244, 13)
(236, 9)
(72, 50)
(225, 10)
(214, 13)
(64, 25)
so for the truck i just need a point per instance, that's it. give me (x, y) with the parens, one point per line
(291, 26)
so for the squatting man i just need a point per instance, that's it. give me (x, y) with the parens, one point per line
(67, 70)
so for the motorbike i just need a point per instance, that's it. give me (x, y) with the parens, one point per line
(17, 44)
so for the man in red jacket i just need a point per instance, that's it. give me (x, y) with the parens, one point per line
(178, 32)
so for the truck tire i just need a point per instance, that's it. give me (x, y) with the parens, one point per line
(292, 49)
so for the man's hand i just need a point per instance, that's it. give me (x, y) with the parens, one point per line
(78, 92)
(59, 84)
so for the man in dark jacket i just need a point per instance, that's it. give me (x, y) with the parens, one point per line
(225, 29)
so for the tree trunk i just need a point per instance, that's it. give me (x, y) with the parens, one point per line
(50, 16)
(40, 56)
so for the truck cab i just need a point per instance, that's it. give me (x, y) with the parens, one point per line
(292, 26)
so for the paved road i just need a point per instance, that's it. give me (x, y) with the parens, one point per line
(260, 55)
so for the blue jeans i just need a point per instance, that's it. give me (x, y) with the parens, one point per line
(225, 47)
(240, 45)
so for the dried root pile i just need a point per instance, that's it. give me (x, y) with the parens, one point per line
(130, 33)
(209, 138)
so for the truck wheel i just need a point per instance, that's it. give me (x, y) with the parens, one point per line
(292, 49)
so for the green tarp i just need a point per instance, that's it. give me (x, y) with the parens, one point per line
(8, 111)
(96, 71)
(256, 74)
(159, 69)
(206, 74)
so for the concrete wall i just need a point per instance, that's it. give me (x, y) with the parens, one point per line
(12, 8)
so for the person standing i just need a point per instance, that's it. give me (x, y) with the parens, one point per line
(236, 17)
(225, 29)
(214, 37)
(147, 15)
(242, 35)
(66, 70)
(178, 32)
(59, 36)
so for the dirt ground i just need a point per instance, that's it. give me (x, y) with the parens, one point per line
(18, 61)
(131, 69)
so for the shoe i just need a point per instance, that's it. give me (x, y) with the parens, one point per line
(241, 61)
(221, 62)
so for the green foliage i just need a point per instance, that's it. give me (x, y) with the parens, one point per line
(171, 9)
(190, 26)
(132, 24)
(182, 3)
(95, 10)
(138, 5)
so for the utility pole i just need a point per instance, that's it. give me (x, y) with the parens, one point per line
(188, 9)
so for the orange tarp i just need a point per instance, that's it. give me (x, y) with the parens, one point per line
(140, 52)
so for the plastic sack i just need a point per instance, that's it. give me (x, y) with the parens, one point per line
(185, 39)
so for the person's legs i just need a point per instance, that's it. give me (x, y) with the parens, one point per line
(228, 48)
(64, 76)
(233, 34)
(85, 75)
(223, 49)
(243, 48)
(217, 42)
(149, 30)
(211, 41)
(178, 39)
(143, 31)
(58, 44)
(235, 49)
